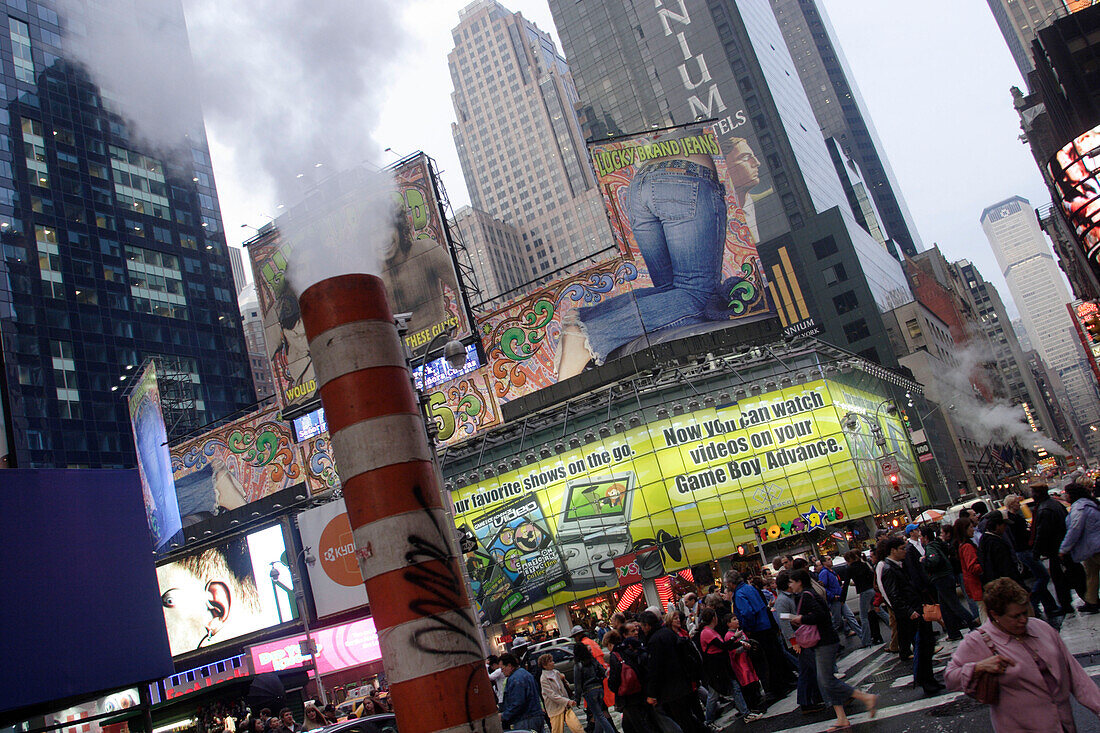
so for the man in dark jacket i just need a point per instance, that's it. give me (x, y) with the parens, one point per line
(995, 554)
(914, 555)
(908, 605)
(937, 564)
(667, 683)
(521, 709)
(1048, 529)
(1020, 536)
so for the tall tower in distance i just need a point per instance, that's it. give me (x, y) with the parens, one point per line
(519, 143)
(114, 253)
(840, 110)
(1039, 291)
(1019, 21)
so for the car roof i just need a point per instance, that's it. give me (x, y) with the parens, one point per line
(379, 718)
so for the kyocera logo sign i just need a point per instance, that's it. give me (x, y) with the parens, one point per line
(336, 551)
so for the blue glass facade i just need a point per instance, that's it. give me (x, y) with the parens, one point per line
(112, 253)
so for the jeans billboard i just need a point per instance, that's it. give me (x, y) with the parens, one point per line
(687, 264)
(153, 458)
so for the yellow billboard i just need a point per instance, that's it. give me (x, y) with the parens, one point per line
(662, 496)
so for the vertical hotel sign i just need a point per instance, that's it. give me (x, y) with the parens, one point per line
(153, 459)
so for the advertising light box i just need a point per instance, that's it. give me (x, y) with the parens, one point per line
(1073, 171)
(153, 459)
(672, 493)
(334, 578)
(227, 591)
(338, 647)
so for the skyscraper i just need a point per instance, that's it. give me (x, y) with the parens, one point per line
(113, 252)
(841, 112)
(644, 65)
(1037, 288)
(519, 143)
(1019, 22)
(496, 254)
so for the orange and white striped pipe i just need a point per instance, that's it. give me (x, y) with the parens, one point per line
(404, 541)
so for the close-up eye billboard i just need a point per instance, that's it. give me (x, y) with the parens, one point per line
(687, 264)
(227, 591)
(416, 267)
(153, 458)
(1073, 171)
(670, 494)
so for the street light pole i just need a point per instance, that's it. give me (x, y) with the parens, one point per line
(299, 602)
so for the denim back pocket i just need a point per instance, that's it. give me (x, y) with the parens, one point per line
(674, 199)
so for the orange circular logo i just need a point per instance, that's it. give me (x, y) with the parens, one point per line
(337, 553)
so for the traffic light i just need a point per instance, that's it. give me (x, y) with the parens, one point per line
(894, 479)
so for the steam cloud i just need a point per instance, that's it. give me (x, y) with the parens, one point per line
(984, 421)
(284, 84)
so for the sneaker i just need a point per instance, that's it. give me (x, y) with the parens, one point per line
(753, 716)
(1088, 608)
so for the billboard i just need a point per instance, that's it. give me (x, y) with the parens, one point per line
(687, 265)
(240, 462)
(338, 647)
(335, 578)
(153, 459)
(1073, 173)
(82, 614)
(417, 269)
(673, 493)
(227, 591)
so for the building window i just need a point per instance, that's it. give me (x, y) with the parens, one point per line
(139, 182)
(34, 150)
(845, 302)
(64, 377)
(914, 328)
(21, 50)
(49, 262)
(856, 331)
(825, 247)
(835, 274)
(156, 282)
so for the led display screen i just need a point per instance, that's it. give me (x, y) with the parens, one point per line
(338, 647)
(227, 591)
(1073, 171)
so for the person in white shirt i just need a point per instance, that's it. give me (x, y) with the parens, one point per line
(496, 676)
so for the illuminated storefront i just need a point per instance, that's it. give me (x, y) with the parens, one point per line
(655, 493)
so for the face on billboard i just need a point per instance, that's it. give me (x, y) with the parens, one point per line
(668, 495)
(154, 461)
(415, 266)
(226, 591)
(1073, 171)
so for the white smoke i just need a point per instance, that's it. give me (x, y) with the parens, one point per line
(986, 422)
(284, 85)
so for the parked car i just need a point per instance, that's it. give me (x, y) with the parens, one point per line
(561, 651)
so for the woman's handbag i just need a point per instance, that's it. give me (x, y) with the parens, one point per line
(932, 613)
(985, 687)
(806, 636)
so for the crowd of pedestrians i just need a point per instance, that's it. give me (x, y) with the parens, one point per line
(748, 642)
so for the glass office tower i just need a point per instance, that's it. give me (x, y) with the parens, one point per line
(113, 252)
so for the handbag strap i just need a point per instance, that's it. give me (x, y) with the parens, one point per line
(988, 641)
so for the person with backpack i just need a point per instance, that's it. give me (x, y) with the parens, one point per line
(668, 678)
(941, 574)
(588, 677)
(719, 674)
(627, 662)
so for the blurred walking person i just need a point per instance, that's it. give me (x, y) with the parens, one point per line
(555, 698)
(941, 573)
(1035, 672)
(588, 675)
(1048, 529)
(667, 682)
(812, 611)
(1020, 536)
(1082, 541)
(808, 694)
(967, 553)
(908, 605)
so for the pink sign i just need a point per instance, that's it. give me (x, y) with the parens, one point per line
(338, 647)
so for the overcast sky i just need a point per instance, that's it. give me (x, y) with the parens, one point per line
(934, 75)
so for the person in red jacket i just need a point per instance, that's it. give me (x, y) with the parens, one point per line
(967, 553)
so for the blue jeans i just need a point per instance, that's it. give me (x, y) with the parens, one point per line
(677, 212)
(593, 699)
(833, 691)
(866, 608)
(713, 700)
(808, 692)
(843, 616)
(1040, 589)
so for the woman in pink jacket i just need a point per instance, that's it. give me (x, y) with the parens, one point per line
(1036, 672)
